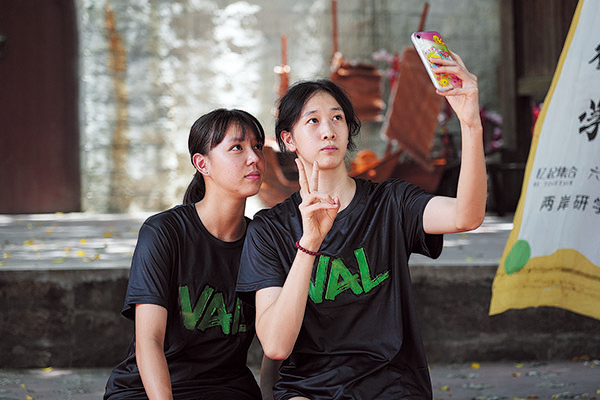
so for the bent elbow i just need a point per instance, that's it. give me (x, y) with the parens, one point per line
(273, 347)
(275, 353)
(471, 224)
(470, 220)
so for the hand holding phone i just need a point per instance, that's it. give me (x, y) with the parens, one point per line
(432, 45)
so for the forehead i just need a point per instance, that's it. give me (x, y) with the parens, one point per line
(320, 100)
(237, 131)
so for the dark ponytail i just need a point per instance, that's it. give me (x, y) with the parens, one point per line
(207, 132)
(195, 190)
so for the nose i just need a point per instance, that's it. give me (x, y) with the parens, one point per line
(254, 156)
(328, 131)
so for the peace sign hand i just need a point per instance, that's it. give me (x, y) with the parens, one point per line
(318, 210)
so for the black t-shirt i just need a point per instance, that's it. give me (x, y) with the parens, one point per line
(179, 265)
(360, 337)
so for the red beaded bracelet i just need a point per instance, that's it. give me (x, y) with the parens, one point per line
(302, 249)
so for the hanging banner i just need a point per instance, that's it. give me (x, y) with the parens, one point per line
(552, 256)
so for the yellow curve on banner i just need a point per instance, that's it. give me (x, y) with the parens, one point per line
(564, 279)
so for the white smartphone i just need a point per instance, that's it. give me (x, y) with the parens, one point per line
(431, 44)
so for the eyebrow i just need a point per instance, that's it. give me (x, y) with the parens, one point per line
(306, 114)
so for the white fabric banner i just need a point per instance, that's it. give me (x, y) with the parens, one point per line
(552, 256)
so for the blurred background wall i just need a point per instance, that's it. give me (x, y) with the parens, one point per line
(98, 96)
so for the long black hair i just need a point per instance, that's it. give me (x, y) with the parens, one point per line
(291, 104)
(207, 132)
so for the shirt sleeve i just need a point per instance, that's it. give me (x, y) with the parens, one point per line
(262, 265)
(149, 278)
(413, 200)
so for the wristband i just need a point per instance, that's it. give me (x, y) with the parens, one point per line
(302, 249)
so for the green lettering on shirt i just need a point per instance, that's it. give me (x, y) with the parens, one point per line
(365, 274)
(315, 290)
(330, 282)
(210, 311)
(191, 317)
(216, 315)
(235, 325)
(349, 280)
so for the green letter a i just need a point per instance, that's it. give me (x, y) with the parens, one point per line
(216, 315)
(349, 281)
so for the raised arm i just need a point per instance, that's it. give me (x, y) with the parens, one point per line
(280, 310)
(466, 211)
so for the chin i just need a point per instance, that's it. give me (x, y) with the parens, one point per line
(329, 163)
(251, 192)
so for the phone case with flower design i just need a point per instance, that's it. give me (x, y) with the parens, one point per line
(431, 44)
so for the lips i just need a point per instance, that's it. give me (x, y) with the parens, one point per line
(254, 175)
(329, 149)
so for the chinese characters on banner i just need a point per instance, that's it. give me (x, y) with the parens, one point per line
(552, 256)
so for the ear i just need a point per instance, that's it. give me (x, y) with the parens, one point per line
(288, 139)
(200, 163)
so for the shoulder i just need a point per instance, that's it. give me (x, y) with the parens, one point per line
(169, 224)
(395, 188)
(271, 228)
(392, 194)
(280, 214)
(174, 213)
(174, 216)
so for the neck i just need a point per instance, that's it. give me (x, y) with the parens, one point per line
(223, 218)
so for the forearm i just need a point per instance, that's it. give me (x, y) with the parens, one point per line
(150, 326)
(153, 370)
(280, 311)
(472, 182)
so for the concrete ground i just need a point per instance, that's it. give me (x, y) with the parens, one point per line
(485, 381)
